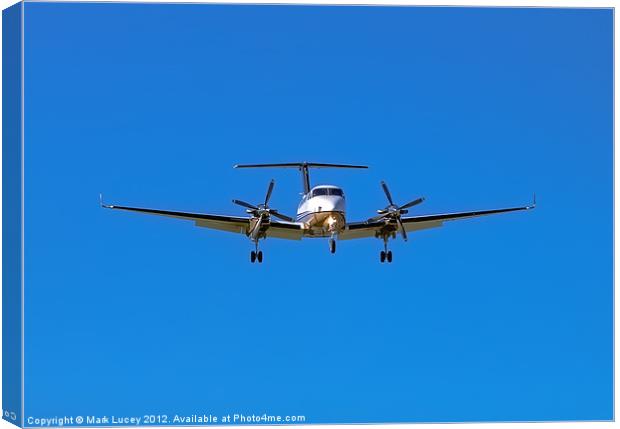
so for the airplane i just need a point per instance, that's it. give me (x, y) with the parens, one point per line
(321, 214)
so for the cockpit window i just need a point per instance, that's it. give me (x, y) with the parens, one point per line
(327, 191)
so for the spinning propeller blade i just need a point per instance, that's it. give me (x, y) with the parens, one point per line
(281, 216)
(403, 231)
(376, 218)
(387, 192)
(412, 203)
(244, 204)
(257, 226)
(269, 191)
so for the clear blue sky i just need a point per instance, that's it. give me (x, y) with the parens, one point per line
(499, 318)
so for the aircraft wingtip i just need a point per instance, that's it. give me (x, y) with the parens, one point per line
(533, 205)
(104, 205)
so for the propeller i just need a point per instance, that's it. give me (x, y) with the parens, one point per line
(262, 211)
(394, 211)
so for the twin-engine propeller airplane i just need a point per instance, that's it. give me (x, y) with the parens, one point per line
(321, 213)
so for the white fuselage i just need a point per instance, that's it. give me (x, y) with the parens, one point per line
(322, 211)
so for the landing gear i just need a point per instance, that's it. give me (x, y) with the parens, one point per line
(385, 255)
(256, 255)
(332, 245)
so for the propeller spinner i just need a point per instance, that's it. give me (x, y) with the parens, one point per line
(393, 212)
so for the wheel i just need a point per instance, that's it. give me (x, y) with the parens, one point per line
(389, 256)
(259, 256)
(252, 256)
(332, 246)
(382, 256)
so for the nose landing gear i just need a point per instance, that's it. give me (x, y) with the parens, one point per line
(332, 245)
(332, 241)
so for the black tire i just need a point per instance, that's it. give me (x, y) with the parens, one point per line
(252, 256)
(332, 246)
(382, 256)
(389, 256)
(259, 256)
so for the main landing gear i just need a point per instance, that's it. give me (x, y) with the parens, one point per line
(256, 255)
(385, 255)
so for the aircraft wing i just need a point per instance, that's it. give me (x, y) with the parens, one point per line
(417, 223)
(238, 224)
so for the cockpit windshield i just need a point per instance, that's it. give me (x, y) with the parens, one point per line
(327, 191)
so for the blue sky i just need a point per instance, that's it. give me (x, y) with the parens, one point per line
(501, 318)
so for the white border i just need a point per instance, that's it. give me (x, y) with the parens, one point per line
(23, 117)
(476, 3)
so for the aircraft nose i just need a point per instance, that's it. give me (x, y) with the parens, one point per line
(331, 204)
(327, 205)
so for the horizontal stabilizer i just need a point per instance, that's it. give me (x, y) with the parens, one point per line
(303, 167)
(300, 165)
